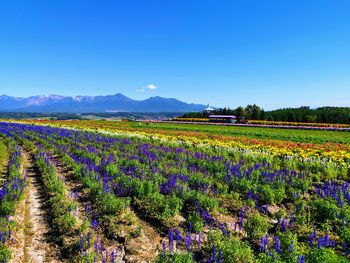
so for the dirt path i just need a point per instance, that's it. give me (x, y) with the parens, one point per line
(3, 175)
(32, 237)
(146, 246)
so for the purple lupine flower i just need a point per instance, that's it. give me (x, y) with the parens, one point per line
(284, 225)
(220, 257)
(277, 245)
(113, 257)
(88, 238)
(171, 239)
(199, 241)
(81, 244)
(241, 223)
(93, 223)
(213, 254)
(311, 239)
(96, 245)
(102, 247)
(326, 239)
(178, 235)
(291, 247)
(164, 249)
(301, 259)
(266, 208)
(291, 221)
(264, 242)
(188, 241)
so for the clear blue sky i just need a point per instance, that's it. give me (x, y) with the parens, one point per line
(227, 53)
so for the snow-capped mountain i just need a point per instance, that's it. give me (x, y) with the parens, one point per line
(117, 102)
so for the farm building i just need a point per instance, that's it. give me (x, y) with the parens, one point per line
(223, 118)
(208, 110)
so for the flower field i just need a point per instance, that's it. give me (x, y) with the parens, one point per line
(275, 123)
(140, 192)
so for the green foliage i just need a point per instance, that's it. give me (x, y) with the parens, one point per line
(5, 254)
(112, 205)
(6, 207)
(178, 257)
(65, 222)
(143, 188)
(324, 255)
(196, 221)
(89, 257)
(233, 250)
(160, 207)
(271, 257)
(204, 201)
(111, 169)
(266, 194)
(345, 234)
(256, 226)
(325, 209)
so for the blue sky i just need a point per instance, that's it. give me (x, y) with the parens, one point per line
(226, 53)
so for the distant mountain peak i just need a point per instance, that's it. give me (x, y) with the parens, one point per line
(116, 102)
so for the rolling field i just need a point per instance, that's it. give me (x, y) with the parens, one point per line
(107, 191)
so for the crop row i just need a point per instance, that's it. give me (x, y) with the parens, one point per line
(11, 192)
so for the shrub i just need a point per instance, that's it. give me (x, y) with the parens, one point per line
(266, 194)
(233, 250)
(345, 234)
(256, 226)
(159, 206)
(178, 257)
(324, 255)
(325, 209)
(196, 221)
(112, 205)
(271, 257)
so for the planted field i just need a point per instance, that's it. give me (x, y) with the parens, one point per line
(130, 192)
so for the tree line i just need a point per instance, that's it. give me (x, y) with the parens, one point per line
(302, 114)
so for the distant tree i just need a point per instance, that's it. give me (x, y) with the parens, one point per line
(253, 112)
(241, 112)
(310, 118)
(256, 112)
(291, 116)
(301, 114)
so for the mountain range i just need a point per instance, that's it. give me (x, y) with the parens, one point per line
(109, 103)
